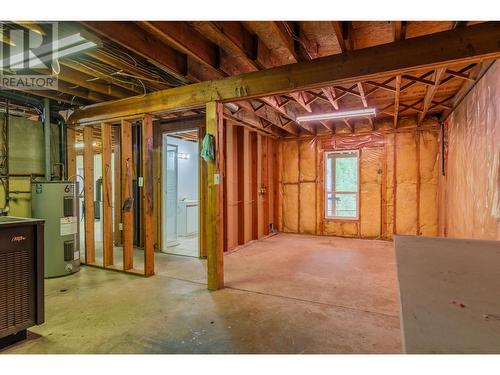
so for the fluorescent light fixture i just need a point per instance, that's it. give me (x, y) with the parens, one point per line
(232, 107)
(47, 52)
(334, 115)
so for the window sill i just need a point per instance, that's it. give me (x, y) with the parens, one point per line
(348, 219)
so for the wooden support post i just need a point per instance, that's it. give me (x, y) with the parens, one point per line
(147, 194)
(118, 191)
(88, 174)
(127, 195)
(214, 210)
(107, 194)
(70, 146)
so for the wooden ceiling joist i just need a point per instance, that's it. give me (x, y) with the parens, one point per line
(396, 100)
(399, 28)
(459, 75)
(118, 64)
(57, 97)
(86, 69)
(233, 39)
(182, 37)
(268, 115)
(132, 37)
(76, 78)
(419, 79)
(272, 102)
(250, 122)
(81, 92)
(362, 95)
(464, 45)
(431, 92)
(412, 106)
(343, 31)
(475, 73)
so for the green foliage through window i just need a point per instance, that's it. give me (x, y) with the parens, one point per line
(341, 184)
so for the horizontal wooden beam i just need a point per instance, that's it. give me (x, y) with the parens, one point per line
(463, 45)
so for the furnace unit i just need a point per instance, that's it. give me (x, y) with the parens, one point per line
(21, 277)
(57, 203)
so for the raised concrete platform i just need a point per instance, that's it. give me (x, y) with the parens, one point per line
(450, 294)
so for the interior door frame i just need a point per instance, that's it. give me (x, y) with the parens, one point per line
(163, 167)
(201, 182)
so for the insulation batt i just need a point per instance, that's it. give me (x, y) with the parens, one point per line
(469, 191)
(413, 207)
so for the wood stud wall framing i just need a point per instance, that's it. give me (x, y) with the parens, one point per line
(428, 60)
(117, 202)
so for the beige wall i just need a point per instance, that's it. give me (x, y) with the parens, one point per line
(407, 197)
(26, 156)
(469, 191)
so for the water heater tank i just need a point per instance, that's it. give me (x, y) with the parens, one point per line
(57, 203)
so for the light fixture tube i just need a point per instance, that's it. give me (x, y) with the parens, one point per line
(59, 48)
(335, 115)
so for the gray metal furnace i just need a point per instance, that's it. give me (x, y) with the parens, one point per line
(57, 203)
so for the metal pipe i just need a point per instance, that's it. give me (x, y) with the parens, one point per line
(63, 150)
(6, 183)
(46, 129)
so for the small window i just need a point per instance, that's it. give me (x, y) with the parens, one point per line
(341, 184)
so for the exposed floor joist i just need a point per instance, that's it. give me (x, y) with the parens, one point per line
(464, 45)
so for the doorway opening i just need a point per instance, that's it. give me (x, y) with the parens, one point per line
(180, 193)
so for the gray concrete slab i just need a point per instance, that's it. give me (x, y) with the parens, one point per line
(98, 311)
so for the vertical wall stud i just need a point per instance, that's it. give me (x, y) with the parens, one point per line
(88, 174)
(70, 146)
(117, 209)
(147, 194)
(127, 195)
(107, 194)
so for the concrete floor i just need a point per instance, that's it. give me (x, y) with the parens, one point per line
(285, 294)
(186, 245)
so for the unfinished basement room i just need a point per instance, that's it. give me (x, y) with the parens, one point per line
(249, 187)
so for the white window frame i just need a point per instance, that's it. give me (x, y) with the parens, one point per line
(339, 154)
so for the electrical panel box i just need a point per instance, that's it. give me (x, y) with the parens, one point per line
(57, 203)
